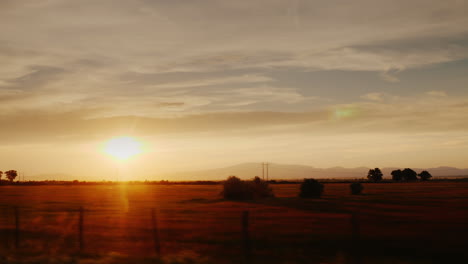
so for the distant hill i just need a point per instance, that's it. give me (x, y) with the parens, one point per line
(56, 177)
(285, 171)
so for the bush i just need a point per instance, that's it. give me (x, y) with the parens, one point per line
(409, 175)
(236, 189)
(425, 175)
(311, 188)
(260, 188)
(356, 188)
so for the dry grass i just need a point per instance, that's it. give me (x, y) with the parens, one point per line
(399, 223)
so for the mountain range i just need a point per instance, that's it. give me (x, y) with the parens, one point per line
(288, 171)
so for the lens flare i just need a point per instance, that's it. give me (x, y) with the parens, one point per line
(123, 148)
(344, 113)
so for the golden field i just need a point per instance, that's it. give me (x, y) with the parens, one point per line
(421, 222)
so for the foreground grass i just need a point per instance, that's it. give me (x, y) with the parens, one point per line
(398, 223)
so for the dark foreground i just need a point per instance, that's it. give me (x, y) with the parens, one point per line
(393, 223)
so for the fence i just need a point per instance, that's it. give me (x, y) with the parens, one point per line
(81, 231)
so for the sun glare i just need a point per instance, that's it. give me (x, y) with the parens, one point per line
(123, 148)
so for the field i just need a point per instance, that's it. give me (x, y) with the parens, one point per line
(422, 222)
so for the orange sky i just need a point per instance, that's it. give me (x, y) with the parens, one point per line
(214, 83)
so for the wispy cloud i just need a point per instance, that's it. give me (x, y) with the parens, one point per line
(159, 37)
(437, 93)
(76, 71)
(373, 96)
(395, 114)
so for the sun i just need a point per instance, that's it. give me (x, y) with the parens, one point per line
(122, 148)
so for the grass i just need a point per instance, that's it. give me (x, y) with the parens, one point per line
(399, 223)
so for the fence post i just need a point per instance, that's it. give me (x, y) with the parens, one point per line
(356, 238)
(17, 227)
(81, 229)
(6, 232)
(355, 226)
(157, 244)
(246, 237)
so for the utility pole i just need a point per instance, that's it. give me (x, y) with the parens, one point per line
(265, 165)
(263, 171)
(267, 170)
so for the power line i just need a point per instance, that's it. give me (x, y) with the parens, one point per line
(265, 165)
(263, 171)
(267, 171)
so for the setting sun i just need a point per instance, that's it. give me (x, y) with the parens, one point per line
(123, 148)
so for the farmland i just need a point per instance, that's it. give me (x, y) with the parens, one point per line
(421, 222)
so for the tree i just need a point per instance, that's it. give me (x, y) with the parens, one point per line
(397, 175)
(237, 189)
(311, 188)
(1, 173)
(425, 175)
(375, 175)
(11, 175)
(409, 175)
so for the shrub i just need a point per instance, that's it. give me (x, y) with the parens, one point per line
(409, 175)
(260, 188)
(356, 188)
(425, 175)
(236, 189)
(311, 188)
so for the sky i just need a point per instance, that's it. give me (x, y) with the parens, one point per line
(206, 84)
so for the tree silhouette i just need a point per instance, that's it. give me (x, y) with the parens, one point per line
(11, 175)
(311, 188)
(425, 175)
(397, 175)
(409, 175)
(260, 188)
(1, 173)
(237, 189)
(375, 175)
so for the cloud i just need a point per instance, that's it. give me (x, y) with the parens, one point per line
(373, 96)
(37, 77)
(320, 74)
(394, 115)
(151, 80)
(437, 93)
(389, 77)
(156, 59)
(158, 36)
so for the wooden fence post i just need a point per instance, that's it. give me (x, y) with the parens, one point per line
(17, 228)
(355, 226)
(246, 237)
(81, 229)
(4, 233)
(157, 243)
(356, 238)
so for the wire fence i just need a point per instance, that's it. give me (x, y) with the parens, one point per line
(165, 222)
(155, 233)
